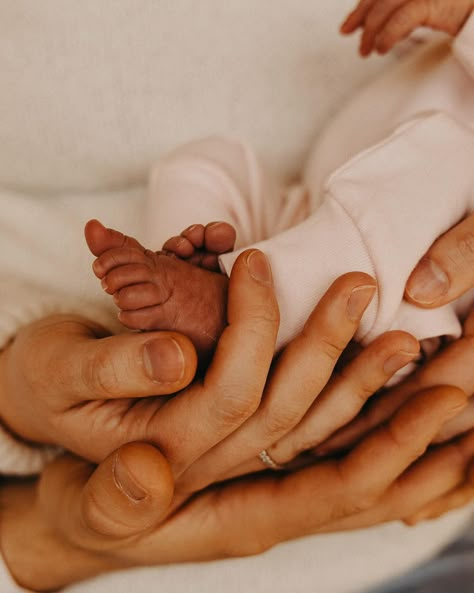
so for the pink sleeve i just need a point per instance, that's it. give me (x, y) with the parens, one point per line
(381, 212)
(463, 46)
(215, 178)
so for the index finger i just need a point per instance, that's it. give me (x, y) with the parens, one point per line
(262, 511)
(204, 414)
(447, 270)
(334, 490)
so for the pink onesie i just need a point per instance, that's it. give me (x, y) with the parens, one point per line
(392, 172)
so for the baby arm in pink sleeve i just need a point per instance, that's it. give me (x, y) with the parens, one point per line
(216, 178)
(463, 46)
(381, 212)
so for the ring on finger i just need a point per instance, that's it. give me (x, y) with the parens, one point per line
(268, 460)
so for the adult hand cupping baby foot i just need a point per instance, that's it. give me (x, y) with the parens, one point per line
(122, 513)
(90, 393)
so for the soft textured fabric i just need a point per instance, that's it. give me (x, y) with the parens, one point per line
(93, 94)
(365, 214)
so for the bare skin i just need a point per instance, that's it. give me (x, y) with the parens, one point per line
(179, 288)
(386, 22)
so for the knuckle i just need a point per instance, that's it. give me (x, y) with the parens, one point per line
(278, 420)
(362, 389)
(266, 316)
(405, 438)
(331, 349)
(253, 546)
(261, 540)
(99, 374)
(360, 499)
(363, 502)
(237, 404)
(465, 246)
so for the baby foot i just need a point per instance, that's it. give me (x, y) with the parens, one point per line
(156, 291)
(201, 245)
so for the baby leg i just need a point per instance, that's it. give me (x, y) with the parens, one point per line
(157, 291)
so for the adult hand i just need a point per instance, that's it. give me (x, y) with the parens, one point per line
(91, 393)
(119, 515)
(447, 270)
(453, 366)
(77, 387)
(102, 529)
(445, 273)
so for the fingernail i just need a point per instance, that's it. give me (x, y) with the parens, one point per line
(359, 301)
(427, 283)
(103, 283)
(126, 482)
(97, 267)
(259, 268)
(164, 360)
(397, 361)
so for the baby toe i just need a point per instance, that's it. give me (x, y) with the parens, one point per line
(125, 276)
(179, 246)
(138, 296)
(114, 258)
(219, 237)
(148, 318)
(205, 260)
(195, 234)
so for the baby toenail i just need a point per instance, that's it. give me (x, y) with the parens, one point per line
(97, 267)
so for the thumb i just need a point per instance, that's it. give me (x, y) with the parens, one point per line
(447, 270)
(97, 508)
(95, 365)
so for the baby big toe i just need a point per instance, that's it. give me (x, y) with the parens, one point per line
(100, 239)
(219, 237)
